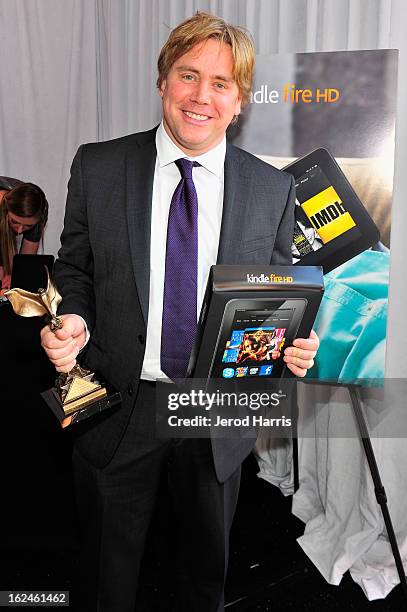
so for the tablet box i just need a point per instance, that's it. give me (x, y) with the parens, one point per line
(250, 314)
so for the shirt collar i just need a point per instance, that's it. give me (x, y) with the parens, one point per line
(168, 152)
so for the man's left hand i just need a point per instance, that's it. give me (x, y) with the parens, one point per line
(300, 357)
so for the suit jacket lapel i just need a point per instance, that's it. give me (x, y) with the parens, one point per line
(140, 165)
(235, 201)
(243, 240)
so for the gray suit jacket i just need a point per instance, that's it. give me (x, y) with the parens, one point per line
(103, 265)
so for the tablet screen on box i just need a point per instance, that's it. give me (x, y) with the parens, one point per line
(252, 337)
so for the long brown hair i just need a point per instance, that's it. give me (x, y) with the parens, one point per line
(25, 200)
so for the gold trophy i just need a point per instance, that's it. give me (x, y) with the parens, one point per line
(77, 391)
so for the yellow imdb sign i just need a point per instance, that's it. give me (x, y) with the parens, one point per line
(328, 215)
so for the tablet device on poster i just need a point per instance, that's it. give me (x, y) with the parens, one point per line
(332, 225)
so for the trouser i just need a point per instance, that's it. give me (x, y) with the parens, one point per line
(115, 506)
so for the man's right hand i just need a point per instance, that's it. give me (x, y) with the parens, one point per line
(63, 346)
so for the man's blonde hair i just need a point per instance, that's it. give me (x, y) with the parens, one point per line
(197, 30)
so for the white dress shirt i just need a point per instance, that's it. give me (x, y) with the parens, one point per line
(208, 179)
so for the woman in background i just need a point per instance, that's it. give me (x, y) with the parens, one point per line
(23, 216)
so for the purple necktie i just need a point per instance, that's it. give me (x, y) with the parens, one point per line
(181, 269)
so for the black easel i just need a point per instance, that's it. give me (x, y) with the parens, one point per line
(374, 470)
(378, 485)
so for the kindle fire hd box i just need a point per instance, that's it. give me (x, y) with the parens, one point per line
(250, 314)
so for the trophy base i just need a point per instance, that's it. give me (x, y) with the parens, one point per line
(76, 411)
(84, 401)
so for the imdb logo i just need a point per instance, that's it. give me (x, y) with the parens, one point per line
(328, 215)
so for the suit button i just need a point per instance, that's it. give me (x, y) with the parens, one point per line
(130, 390)
(141, 338)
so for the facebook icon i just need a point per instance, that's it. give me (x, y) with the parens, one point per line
(265, 370)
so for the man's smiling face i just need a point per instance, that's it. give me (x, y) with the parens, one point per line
(200, 97)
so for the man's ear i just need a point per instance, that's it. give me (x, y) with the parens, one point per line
(238, 106)
(162, 87)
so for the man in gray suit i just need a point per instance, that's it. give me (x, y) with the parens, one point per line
(118, 283)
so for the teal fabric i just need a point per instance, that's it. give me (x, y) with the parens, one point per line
(351, 321)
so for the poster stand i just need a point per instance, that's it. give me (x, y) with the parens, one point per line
(377, 481)
(379, 489)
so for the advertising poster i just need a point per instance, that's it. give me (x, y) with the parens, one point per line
(342, 103)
